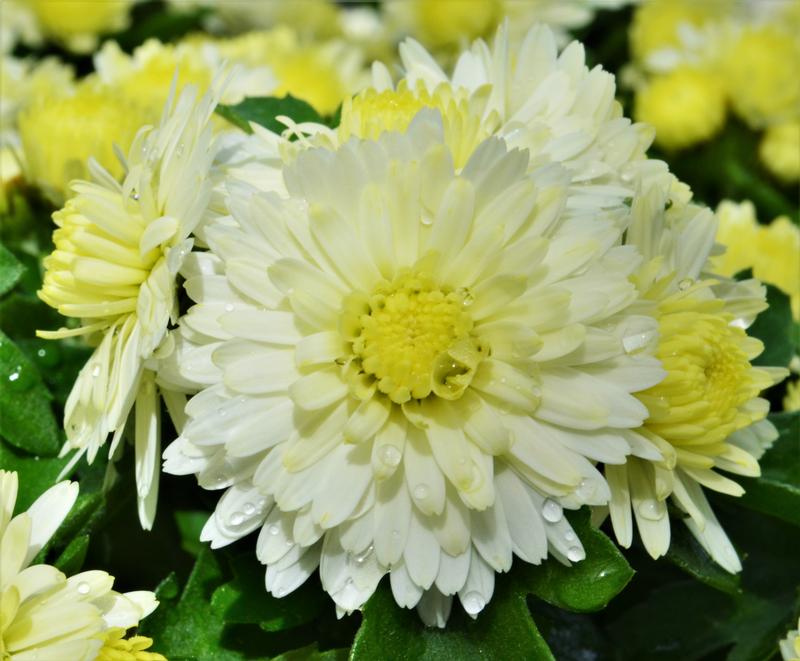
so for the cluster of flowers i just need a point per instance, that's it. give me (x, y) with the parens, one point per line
(692, 61)
(417, 337)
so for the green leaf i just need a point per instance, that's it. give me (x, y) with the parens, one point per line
(10, 270)
(777, 491)
(312, 653)
(187, 627)
(504, 630)
(27, 421)
(244, 600)
(774, 328)
(71, 559)
(264, 110)
(36, 474)
(685, 552)
(190, 524)
(588, 585)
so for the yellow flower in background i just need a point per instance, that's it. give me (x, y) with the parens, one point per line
(447, 23)
(780, 150)
(760, 73)
(791, 401)
(60, 135)
(323, 73)
(772, 251)
(685, 106)
(78, 23)
(656, 24)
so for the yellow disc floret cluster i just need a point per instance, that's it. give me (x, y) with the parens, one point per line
(78, 23)
(371, 112)
(707, 393)
(413, 338)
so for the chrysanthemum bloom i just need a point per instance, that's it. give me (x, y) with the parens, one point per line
(44, 614)
(78, 23)
(410, 367)
(532, 96)
(117, 251)
(60, 134)
(771, 251)
(685, 107)
(780, 150)
(706, 415)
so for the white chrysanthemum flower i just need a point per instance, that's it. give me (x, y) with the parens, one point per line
(706, 415)
(790, 646)
(410, 368)
(117, 252)
(44, 614)
(531, 95)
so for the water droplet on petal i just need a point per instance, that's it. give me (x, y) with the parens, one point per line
(274, 529)
(390, 455)
(280, 592)
(650, 510)
(421, 492)
(95, 370)
(83, 588)
(134, 196)
(575, 554)
(426, 220)
(473, 602)
(570, 536)
(229, 307)
(179, 149)
(395, 534)
(249, 509)
(552, 511)
(236, 519)
(684, 284)
(361, 558)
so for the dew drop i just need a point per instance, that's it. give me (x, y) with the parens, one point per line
(361, 558)
(426, 220)
(684, 284)
(134, 196)
(473, 602)
(636, 341)
(552, 511)
(229, 307)
(20, 378)
(570, 536)
(650, 510)
(83, 588)
(236, 519)
(179, 149)
(274, 529)
(95, 370)
(280, 592)
(249, 509)
(575, 554)
(390, 455)
(421, 492)
(467, 297)
(395, 534)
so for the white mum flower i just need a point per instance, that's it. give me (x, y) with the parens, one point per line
(117, 252)
(790, 646)
(408, 368)
(531, 95)
(705, 415)
(44, 614)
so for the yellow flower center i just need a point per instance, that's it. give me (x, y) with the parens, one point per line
(411, 338)
(465, 123)
(709, 378)
(443, 23)
(371, 113)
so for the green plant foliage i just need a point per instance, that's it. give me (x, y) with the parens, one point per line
(774, 327)
(10, 270)
(265, 110)
(685, 552)
(777, 490)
